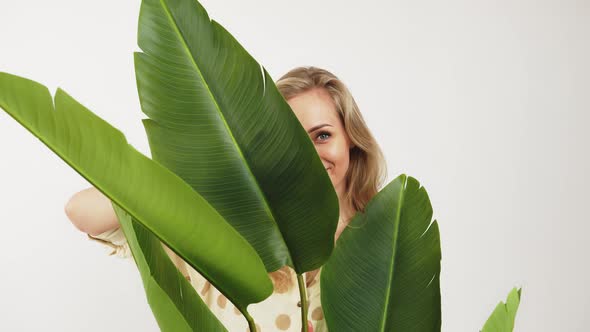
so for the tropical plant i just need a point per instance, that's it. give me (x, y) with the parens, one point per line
(394, 251)
(236, 189)
(502, 319)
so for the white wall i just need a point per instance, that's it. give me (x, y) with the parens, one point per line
(485, 103)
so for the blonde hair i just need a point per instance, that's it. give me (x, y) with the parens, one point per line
(367, 169)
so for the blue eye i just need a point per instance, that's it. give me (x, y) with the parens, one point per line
(322, 134)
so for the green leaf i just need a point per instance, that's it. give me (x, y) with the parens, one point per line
(502, 319)
(384, 272)
(176, 305)
(219, 122)
(150, 193)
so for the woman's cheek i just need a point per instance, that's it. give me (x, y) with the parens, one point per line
(344, 164)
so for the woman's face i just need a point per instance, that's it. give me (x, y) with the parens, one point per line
(317, 113)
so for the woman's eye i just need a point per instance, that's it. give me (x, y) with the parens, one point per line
(324, 134)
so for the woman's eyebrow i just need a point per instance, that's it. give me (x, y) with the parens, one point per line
(318, 127)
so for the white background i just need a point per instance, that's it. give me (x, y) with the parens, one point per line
(485, 103)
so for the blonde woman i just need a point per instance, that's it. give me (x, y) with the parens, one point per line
(353, 160)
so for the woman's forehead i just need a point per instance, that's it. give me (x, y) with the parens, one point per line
(314, 108)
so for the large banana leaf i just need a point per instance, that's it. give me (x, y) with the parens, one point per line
(218, 121)
(384, 272)
(502, 319)
(150, 193)
(176, 305)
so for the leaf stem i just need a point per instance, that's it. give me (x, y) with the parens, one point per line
(303, 297)
(251, 324)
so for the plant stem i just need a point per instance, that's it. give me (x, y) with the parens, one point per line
(250, 320)
(303, 296)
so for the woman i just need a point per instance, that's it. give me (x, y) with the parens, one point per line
(356, 167)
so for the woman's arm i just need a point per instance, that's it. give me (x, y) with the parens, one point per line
(91, 212)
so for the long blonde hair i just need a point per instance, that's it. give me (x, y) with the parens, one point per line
(367, 169)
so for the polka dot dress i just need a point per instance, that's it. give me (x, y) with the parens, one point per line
(281, 311)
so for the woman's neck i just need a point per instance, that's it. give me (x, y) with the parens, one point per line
(346, 212)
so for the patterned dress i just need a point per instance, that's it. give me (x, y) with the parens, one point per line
(281, 311)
